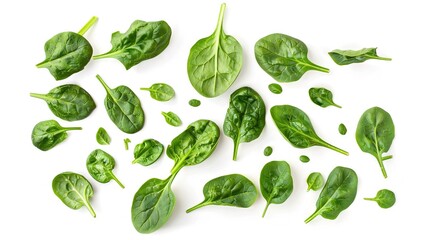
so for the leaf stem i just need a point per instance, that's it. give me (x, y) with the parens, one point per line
(146, 89)
(200, 205)
(234, 155)
(72, 128)
(91, 210)
(103, 83)
(265, 209)
(38, 95)
(220, 19)
(336, 105)
(88, 25)
(315, 214)
(369, 199)
(105, 55)
(320, 68)
(330, 146)
(380, 162)
(378, 58)
(117, 180)
(387, 157)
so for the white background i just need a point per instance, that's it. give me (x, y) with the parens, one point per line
(30, 210)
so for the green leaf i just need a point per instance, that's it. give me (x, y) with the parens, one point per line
(123, 107)
(147, 152)
(345, 57)
(142, 41)
(304, 159)
(73, 190)
(68, 102)
(342, 129)
(296, 127)
(103, 137)
(245, 117)
(276, 183)
(284, 58)
(194, 102)
(315, 181)
(337, 195)
(384, 198)
(214, 62)
(100, 166)
(230, 190)
(375, 133)
(268, 151)
(275, 88)
(47, 134)
(322, 97)
(172, 119)
(160, 91)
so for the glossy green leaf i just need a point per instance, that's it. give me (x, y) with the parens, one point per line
(304, 159)
(100, 165)
(375, 133)
(342, 129)
(142, 41)
(147, 152)
(172, 118)
(296, 127)
(214, 62)
(245, 117)
(103, 137)
(315, 181)
(345, 57)
(194, 102)
(384, 198)
(284, 58)
(337, 195)
(230, 190)
(160, 91)
(276, 183)
(268, 151)
(68, 102)
(123, 107)
(275, 88)
(47, 134)
(322, 97)
(73, 190)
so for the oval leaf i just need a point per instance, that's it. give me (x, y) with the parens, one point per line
(47, 134)
(100, 166)
(147, 152)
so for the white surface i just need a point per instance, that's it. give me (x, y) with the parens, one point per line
(30, 210)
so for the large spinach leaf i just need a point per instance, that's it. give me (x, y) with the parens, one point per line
(47, 134)
(123, 107)
(345, 57)
(147, 152)
(284, 58)
(100, 165)
(142, 41)
(322, 97)
(375, 133)
(276, 183)
(68, 102)
(245, 117)
(160, 91)
(214, 62)
(296, 127)
(230, 190)
(337, 195)
(67, 52)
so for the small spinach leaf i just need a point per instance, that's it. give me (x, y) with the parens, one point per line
(68, 102)
(47, 134)
(160, 91)
(384, 198)
(73, 190)
(345, 57)
(103, 137)
(342, 129)
(142, 41)
(315, 181)
(275, 88)
(147, 152)
(230, 190)
(268, 151)
(172, 118)
(276, 183)
(100, 165)
(304, 159)
(322, 97)
(194, 102)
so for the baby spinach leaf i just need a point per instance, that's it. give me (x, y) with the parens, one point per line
(103, 137)
(123, 107)
(142, 41)
(337, 195)
(304, 159)
(147, 152)
(67, 53)
(345, 57)
(384, 198)
(47, 134)
(322, 97)
(245, 117)
(214, 62)
(160, 91)
(276, 183)
(172, 119)
(315, 181)
(73, 190)
(296, 127)
(100, 165)
(284, 58)
(268, 151)
(68, 102)
(275, 88)
(194, 102)
(230, 190)
(375, 133)
(342, 129)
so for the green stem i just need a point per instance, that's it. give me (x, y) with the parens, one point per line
(369, 199)
(378, 58)
(72, 128)
(387, 157)
(145, 89)
(38, 95)
(380, 162)
(105, 55)
(315, 214)
(88, 25)
(319, 68)
(336, 105)
(234, 155)
(103, 83)
(325, 144)
(202, 204)
(116, 180)
(220, 19)
(91, 210)
(266, 208)
(176, 168)
(126, 141)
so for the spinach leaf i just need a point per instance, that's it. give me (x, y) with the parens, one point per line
(147, 152)
(214, 62)
(153, 205)
(126, 142)
(384, 198)
(315, 181)
(160, 91)
(68, 102)
(304, 159)
(67, 53)
(284, 58)
(276, 183)
(100, 165)
(172, 119)
(375, 133)
(322, 97)
(103, 137)
(337, 195)
(142, 41)
(123, 107)
(73, 190)
(296, 127)
(230, 190)
(245, 117)
(275, 88)
(194, 102)
(268, 151)
(342, 129)
(345, 57)
(47, 134)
